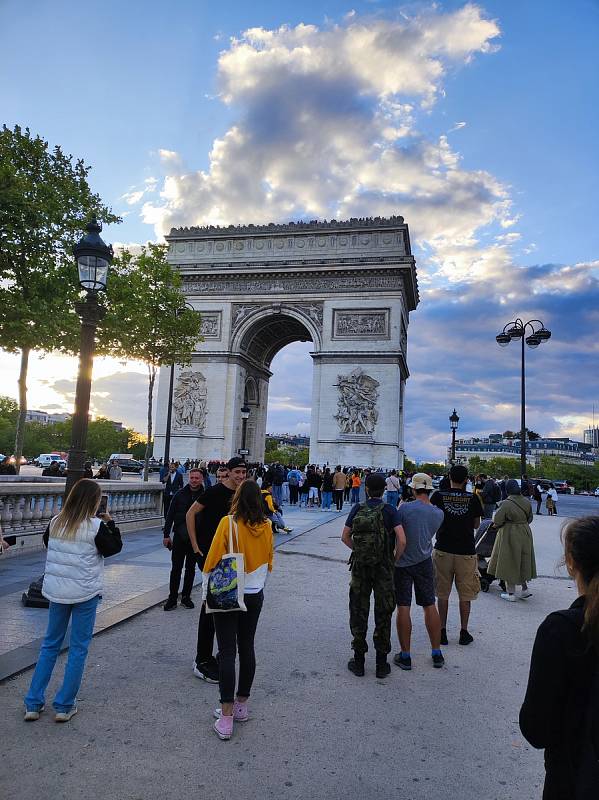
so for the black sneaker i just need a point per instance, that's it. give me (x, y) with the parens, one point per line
(205, 672)
(403, 662)
(187, 602)
(356, 665)
(383, 668)
(465, 637)
(438, 660)
(444, 636)
(169, 605)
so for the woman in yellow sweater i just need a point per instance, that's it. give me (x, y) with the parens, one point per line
(235, 630)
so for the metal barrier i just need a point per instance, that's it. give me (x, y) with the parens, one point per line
(27, 508)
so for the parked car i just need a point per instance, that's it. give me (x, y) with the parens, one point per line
(597, 492)
(45, 459)
(128, 464)
(562, 487)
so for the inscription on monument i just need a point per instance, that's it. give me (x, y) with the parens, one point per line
(361, 324)
(356, 407)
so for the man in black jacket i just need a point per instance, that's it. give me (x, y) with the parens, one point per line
(172, 483)
(180, 545)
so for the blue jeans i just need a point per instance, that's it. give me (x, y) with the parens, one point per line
(327, 499)
(355, 495)
(277, 493)
(82, 616)
(392, 498)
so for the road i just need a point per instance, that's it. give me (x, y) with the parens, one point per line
(574, 505)
(134, 477)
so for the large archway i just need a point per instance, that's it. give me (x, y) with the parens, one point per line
(347, 287)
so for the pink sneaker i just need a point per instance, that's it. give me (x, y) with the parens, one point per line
(223, 727)
(240, 712)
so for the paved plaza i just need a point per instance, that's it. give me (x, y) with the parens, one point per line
(144, 727)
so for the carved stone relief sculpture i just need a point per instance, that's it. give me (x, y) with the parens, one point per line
(359, 324)
(189, 402)
(356, 406)
(210, 325)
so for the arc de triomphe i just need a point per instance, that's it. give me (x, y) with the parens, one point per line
(346, 286)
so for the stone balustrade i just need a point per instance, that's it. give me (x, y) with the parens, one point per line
(26, 508)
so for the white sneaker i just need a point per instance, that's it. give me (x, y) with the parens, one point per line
(65, 716)
(525, 594)
(31, 716)
(511, 598)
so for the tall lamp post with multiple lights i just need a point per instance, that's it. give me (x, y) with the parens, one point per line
(538, 333)
(453, 424)
(93, 257)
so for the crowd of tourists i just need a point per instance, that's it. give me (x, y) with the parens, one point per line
(408, 541)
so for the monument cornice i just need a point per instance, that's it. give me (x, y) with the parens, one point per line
(354, 223)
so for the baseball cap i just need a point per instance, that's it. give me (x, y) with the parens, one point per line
(421, 481)
(235, 462)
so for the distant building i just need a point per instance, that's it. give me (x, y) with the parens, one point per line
(45, 417)
(591, 436)
(567, 450)
(287, 440)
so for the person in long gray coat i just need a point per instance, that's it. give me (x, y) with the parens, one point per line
(513, 556)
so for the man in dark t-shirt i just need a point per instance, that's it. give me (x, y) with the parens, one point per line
(202, 520)
(454, 555)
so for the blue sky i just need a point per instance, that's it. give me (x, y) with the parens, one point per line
(491, 117)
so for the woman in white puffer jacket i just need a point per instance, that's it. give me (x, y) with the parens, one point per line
(77, 541)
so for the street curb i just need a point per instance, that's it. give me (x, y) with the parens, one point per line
(23, 658)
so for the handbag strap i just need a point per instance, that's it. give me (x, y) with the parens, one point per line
(232, 528)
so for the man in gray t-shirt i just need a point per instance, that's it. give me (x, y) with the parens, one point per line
(420, 521)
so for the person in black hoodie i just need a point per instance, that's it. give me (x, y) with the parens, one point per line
(180, 546)
(560, 712)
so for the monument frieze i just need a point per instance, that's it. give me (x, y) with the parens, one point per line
(292, 284)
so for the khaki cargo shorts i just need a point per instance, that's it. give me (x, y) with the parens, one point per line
(461, 569)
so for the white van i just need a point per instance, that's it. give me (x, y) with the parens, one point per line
(45, 459)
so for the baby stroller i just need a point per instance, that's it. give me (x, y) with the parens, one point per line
(483, 545)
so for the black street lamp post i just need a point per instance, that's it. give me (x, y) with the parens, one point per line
(93, 261)
(538, 333)
(245, 415)
(453, 424)
(169, 408)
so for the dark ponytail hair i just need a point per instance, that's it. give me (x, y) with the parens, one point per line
(581, 545)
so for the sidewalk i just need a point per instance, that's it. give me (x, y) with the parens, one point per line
(144, 727)
(134, 580)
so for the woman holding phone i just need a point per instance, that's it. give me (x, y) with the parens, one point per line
(77, 542)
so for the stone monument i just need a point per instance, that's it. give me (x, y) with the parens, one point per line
(346, 286)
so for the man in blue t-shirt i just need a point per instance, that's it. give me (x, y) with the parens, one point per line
(420, 521)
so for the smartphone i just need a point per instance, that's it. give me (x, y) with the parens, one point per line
(102, 508)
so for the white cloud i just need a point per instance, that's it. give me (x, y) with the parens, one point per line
(326, 127)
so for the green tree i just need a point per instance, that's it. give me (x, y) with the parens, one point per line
(408, 465)
(9, 409)
(432, 468)
(103, 439)
(45, 201)
(147, 319)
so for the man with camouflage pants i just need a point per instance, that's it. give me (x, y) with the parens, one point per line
(374, 534)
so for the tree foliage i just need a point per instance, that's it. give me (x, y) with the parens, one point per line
(45, 202)
(146, 317)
